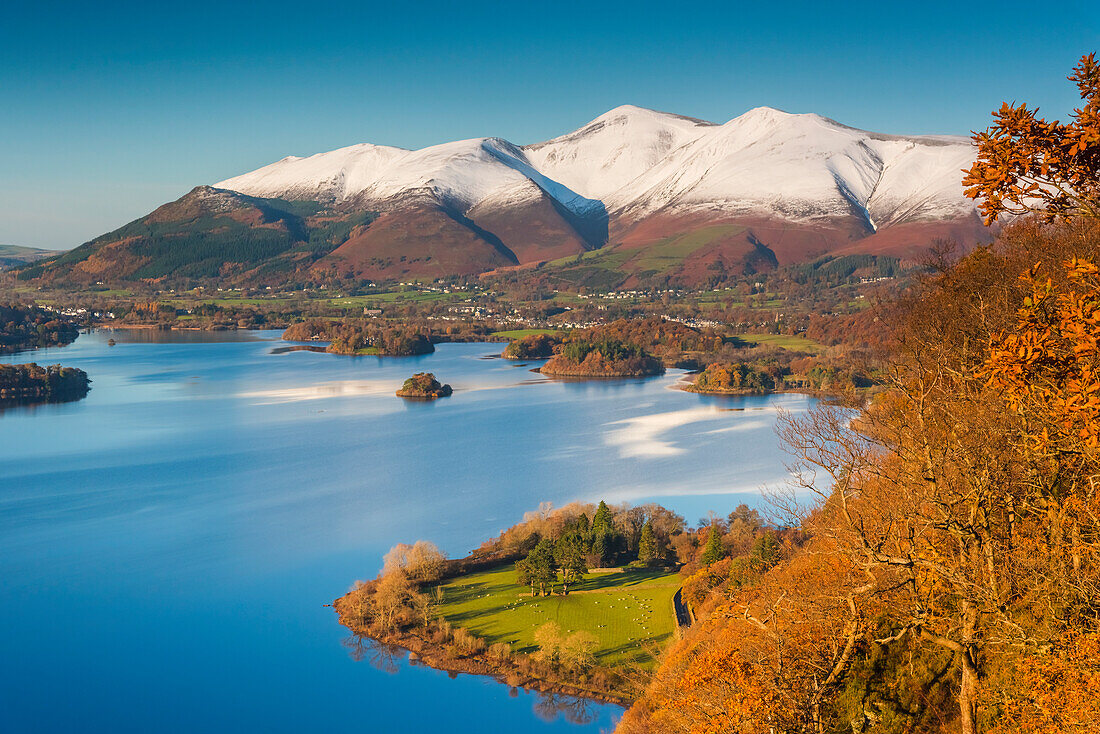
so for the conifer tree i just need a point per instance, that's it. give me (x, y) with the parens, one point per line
(713, 551)
(569, 556)
(543, 567)
(765, 552)
(647, 546)
(603, 534)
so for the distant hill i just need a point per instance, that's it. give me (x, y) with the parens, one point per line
(18, 255)
(208, 234)
(633, 196)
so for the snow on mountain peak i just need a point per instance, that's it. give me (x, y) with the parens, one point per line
(801, 167)
(614, 149)
(635, 160)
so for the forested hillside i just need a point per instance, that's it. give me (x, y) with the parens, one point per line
(949, 571)
(207, 234)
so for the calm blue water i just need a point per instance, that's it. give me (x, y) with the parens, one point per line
(167, 544)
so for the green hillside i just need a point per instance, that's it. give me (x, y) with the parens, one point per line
(207, 234)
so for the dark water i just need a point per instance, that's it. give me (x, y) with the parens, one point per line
(167, 544)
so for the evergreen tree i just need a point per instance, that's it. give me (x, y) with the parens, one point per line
(713, 551)
(647, 546)
(569, 556)
(544, 569)
(525, 575)
(603, 534)
(765, 552)
(602, 520)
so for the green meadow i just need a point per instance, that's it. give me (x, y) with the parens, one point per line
(520, 333)
(784, 341)
(629, 612)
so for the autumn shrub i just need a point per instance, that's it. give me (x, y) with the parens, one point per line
(467, 642)
(500, 652)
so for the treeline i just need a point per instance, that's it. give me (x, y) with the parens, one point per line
(32, 383)
(573, 544)
(605, 535)
(24, 327)
(533, 346)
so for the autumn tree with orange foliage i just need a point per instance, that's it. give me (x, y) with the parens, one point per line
(1026, 164)
(1055, 693)
(764, 660)
(955, 518)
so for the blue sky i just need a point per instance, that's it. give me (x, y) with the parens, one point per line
(109, 109)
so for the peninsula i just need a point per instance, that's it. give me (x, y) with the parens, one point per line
(32, 327)
(577, 600)
(30, 383)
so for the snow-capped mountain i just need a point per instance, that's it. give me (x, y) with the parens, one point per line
(801, 167)
(635, 162)
(460, 174)
(614, 150)
(673, 195)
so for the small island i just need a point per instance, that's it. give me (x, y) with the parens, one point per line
(533, 346)
(606, 357)
(30, 383)
(362, 337)
(732, 379)
(423, 386)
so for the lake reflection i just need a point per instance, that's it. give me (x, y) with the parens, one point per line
(167, 544)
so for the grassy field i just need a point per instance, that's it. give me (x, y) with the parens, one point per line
(784, 341)
(669, 253)
(627, 612)
(520, 333)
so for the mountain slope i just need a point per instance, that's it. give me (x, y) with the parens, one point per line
(801, 186)
(208, 233)
(659, 196)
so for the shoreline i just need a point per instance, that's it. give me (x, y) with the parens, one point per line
(616, 685)
(446, 659)
(685, 384)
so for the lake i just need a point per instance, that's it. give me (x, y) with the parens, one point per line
(168, 544)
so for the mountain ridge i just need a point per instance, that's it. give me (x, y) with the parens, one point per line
(766, 187)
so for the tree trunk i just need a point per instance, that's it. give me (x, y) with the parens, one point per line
(966, 698)
(967, 702)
